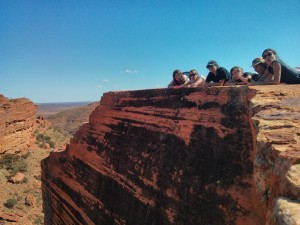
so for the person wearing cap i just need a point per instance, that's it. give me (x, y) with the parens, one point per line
(260, 66)
(217, 75)
(279, 70)
(179, 79)
(239, 77)
(263, 77)
(195, 79)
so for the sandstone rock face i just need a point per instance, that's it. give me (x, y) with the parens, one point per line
(176, 156)
(276, 115)
(286, 212)
(17, 119)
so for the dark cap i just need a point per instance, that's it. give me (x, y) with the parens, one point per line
(257, 61)
(212, 63)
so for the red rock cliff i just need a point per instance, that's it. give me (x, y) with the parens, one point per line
(17, 119)
(173, 156)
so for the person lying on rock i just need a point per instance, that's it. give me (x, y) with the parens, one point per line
(217, 75)
(260, 66)
(278, 71)
(179, 79)
(195, 79)
(239, 77)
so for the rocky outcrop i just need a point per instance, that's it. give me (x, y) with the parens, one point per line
(276, 115)
(180, 156)
(17, 119)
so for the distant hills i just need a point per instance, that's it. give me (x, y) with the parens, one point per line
(47, 109)
(67, 117)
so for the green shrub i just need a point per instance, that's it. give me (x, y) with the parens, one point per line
(10, 203)
(42, 145)
(39, 220)
(13, 163)
(42, 140)
(51, 143)
(25, 180)
(7, 159)
(25, 156)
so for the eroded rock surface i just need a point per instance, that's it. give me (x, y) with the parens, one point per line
(179, 156)
(276, 115)
(17, 119)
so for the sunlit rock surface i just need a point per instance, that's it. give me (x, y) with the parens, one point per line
(17, 120)
(178, 156)
(276, 116)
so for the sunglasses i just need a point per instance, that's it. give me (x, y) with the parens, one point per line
(193, 74)
(209, 66)
(268, 54)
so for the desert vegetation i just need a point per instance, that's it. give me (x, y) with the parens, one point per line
(22, 199)
(20, 171)
(42, 140)
(14, 163)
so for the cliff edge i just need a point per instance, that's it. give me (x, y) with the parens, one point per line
(222, 155)
(17, 120)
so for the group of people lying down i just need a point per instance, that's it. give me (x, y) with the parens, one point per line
(269, 68)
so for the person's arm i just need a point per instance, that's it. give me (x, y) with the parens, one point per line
(186, 80)
(171, 84)
(209, 83)
(277, 72)
(220, 83)
(245, 79)
(198, 82)
(188, 84)
(222, 73)
(266, 79)
(231, 82)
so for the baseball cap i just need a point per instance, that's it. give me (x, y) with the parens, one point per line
(257, 61)
(211, 63)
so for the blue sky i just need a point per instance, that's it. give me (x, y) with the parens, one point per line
(62, 51)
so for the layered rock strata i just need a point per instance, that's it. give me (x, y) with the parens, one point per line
(276, 116)
(222, 155)
(167, 156)
(17, 121)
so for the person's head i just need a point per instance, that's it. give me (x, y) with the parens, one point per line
(236, 72)
(193, 74)
(259, 65)
(269, 55)
(177, 76)
(212, 66)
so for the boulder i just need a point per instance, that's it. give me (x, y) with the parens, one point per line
(17, 178)
(286, 212)
(10, 217)
(30, 200)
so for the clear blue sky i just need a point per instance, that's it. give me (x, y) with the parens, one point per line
(75, 50)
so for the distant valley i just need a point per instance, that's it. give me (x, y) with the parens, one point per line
(47, 109)
(69, 117)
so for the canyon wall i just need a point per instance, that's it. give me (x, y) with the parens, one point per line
(276, 116)
(17, 119)
(180, 156)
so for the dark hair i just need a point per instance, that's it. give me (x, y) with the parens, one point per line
(193, 70)
(270, 50)
(236, 68)
(174, 80)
